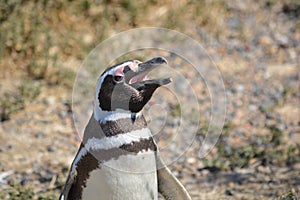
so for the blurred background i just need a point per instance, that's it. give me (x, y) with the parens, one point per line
(255, 45)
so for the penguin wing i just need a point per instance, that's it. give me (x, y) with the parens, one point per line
(70, 180)
(91, 129)
(168, 185)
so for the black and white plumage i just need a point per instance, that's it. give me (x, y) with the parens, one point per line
(118, 158)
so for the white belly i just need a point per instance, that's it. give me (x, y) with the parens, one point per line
(129, 177)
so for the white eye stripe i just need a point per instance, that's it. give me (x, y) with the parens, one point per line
(109, 72)
(131, 64)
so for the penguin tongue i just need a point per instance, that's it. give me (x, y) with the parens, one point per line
(138, 78)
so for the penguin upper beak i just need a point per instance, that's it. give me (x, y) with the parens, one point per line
(137, 78)
(151, 64)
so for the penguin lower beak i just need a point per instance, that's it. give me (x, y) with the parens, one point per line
(139, 78)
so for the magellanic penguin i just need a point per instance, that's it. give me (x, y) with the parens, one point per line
(118, 158)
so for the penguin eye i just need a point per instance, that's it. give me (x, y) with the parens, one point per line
(118, 78)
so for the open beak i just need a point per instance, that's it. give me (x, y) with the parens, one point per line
(139, 79)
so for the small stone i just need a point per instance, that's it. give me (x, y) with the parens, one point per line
(63, 114)
(174, 122)
(88, 39)
(205, 172)
(44, 179)
(228, 192)
(282, 40)
(265, 170)
(51, 148)
(240, 132)
(271, 122)
(6, 147)
(39, 134)
(45, 176)
(176, 173)
(24, 181)
(234, 22)
(293, 54)
(280, 126)
(265, 40)
(191, 160)
(238, 89)
(270, 115)
(53, 50)
(50, 100)
(266, 105)
(252, 107)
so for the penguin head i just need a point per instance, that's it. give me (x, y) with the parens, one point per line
(125, 85)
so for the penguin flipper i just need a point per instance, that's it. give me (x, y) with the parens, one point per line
(168, 185)
(70, 180)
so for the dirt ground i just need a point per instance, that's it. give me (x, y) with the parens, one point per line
(254, 44)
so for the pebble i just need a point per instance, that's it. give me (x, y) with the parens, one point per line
(266, 105)
(88, 39)
(283, 41)
(39, 134)
(5, 148)
(281, 126)
(271, 115)
(234, 22)
(252, 107)
(238, 89)
(205, 172)
(229, 192)
(24, 181)
(271, 123)
(63, 114)
(51, 148)
(44, 175)
(49, 101)
(265, 170)
(265, 40)
(240, 132)
(191, 160)
(173, 122)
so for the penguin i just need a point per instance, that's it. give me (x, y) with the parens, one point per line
(118, 157)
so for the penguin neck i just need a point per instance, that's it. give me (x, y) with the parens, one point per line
(103, 116)
(112, 123)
